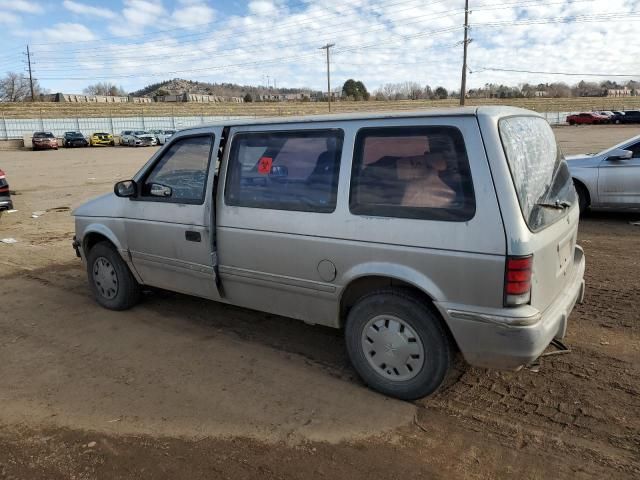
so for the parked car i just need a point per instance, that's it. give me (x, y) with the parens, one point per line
(137, 138)
(101, 138)
(5, 194)
(44, 141)
(74, 139)
(629, 116)
(163, 135)
(587, 118)
(324, 219)
(606, 113)
(609, 179)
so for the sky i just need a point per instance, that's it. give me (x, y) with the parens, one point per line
(133, 43)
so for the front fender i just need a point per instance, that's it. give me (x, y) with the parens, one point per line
(84, 232)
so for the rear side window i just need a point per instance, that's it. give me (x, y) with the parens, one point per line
(540, 174)
(295, 170)
(412, 172)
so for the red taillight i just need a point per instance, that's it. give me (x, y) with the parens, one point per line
(517, 281)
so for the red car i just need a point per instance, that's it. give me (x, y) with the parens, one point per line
(44, 141)
(589, 118)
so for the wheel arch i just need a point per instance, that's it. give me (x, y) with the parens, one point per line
(95, 233)
(578, 183)
(412, 282)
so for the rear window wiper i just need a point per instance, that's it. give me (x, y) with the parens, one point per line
(558, 205)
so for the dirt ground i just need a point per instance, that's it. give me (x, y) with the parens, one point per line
(182, 388)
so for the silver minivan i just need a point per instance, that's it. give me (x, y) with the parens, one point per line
(422, 234)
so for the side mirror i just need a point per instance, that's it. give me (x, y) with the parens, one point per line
(620, 154)
(125, 188)
(159, 190)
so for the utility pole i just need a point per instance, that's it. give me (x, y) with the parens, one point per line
(33, 97)
(327, 47)
(463, 85)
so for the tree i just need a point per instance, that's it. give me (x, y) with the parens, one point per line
(441, 93)
(105, 88)
(355, 90)
(248, 98)
(15, 87)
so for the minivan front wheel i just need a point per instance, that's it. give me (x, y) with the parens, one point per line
(111, 282)
(398, 345)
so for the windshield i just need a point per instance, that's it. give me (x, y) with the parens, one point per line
(44, 135)
(540, 174)
(74, 134)
(141, 132)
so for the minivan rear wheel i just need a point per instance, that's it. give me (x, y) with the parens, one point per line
(397, 344)
(110, 279)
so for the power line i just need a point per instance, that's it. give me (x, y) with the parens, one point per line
(573, 74)
(221, 51)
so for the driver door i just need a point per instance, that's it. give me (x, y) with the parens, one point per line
(619, 180)
(169, 223)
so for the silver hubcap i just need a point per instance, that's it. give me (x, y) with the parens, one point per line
(105, 278)
(392, 348)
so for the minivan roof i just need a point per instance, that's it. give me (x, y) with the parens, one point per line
(489, 111)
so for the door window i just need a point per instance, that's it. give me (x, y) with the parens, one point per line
(181, 174)
(411, 172)
(295, 170)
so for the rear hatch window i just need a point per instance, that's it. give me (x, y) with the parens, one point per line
(538, 169)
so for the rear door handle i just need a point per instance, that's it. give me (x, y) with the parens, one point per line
(192, 236)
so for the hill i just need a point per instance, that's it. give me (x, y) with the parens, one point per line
(178, 86)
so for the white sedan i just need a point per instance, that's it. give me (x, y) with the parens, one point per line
(163, 135)
(609, 179)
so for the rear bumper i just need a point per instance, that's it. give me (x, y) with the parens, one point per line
(505, 340)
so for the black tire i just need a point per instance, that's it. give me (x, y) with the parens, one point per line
(583, 197)
(617, 121)
(572, 122)
(428, 328)
(127, 290)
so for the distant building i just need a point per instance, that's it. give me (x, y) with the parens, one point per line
(78, 98)
(197, 98)
(622, 92)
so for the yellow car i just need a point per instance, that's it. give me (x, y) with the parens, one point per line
(101, 139)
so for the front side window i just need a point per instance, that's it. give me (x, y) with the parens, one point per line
(540, 174)
(181, 174)
(295, 170)
(412, 172)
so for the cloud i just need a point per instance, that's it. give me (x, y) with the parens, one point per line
(192, 14)
(8, 18)
(262, 7)
(375, 43)
(68, 32)
(82, 9)
(20, 6)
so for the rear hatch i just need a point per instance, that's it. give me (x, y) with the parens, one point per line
(548, 203)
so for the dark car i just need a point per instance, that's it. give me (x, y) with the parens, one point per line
(630, 116)
(44, 141)
(5, 196)
(74, 139)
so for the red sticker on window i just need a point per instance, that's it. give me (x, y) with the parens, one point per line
(264, 165)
